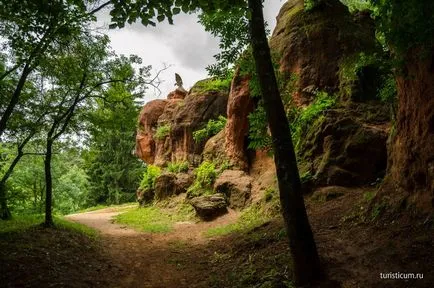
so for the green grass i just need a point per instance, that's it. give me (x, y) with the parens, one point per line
(250, 218)
(154, 219)
(20, 223)
(93, 208)
(117, 207)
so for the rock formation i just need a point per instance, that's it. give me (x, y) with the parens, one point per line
(181, 116)
(344, 145)
(313, 44)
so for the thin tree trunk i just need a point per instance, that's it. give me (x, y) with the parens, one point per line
(302, 244)
(14, 100)
(48, 184)
(5, 214)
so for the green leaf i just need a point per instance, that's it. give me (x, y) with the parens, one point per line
(160, 18)
(176, 10)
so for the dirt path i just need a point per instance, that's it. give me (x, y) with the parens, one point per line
(175, 259)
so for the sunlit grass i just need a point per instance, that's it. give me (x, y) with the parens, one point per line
(154, 219)
(250, 218)
(20, 223)
(118, 207)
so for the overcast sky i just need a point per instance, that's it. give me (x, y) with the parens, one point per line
(186, 46)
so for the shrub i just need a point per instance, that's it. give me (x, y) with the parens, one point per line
(213, 84)
(212, 128)
(307, 116)
(206, 174)
(151, 173)
(162, 132)
(177, 167)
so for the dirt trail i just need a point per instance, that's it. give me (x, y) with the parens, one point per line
(174, 259)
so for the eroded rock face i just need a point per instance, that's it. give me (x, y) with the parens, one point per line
(237, 127)
(344, 151)
(209, 207)
(183, 116)
(177, 94)
(197, 110)
(214, 150)
(148, 121)
(313, 44)
(236, 186)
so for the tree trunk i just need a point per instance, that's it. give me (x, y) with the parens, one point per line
(5, 214)
(48, 184)
(302, 245)
(14, 100)
(411, 151)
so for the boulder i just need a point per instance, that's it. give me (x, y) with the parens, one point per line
(237, 127)
(169, 184)
(145, 196)
(165, 186)
(209, 207)
(183, 181)
(214, 150)
(236, 185)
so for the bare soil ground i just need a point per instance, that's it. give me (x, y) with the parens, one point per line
(354, 251)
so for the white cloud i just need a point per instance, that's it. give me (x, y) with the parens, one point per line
(186, 46)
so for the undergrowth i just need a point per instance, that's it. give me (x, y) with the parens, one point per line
(21, 223)
(156, 219)
(213, 127)
(177, 167)
(148, 180)
(162, 132)
(252, 217)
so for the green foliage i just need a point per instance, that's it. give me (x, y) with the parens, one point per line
(114, 172)
(177, 167)
(206, 174)
(308, 115)
(311, 4)
(357, 5)
(212, 128)
(369, 196)
(231, 27)
(258, 130)
(388, 92)
(213, 84)
(406, 24)
(162, 132)
(148, 180)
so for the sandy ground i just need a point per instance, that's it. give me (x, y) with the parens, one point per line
(174, 259)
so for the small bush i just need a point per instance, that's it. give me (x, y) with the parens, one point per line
(258, 130)
(151, 173)
(306, 117)
(177, 167)
(162, 132)
(215, 84)
(206, 174)
(212, 128)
